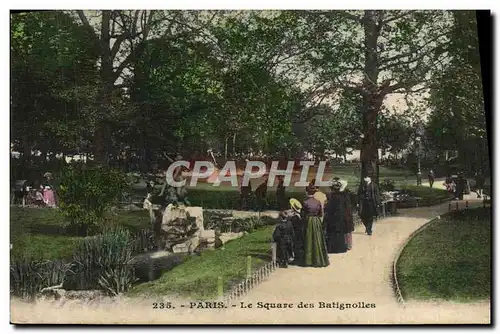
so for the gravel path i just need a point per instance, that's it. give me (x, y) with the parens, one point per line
(361, 277)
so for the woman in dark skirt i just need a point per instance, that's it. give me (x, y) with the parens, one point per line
(315, 254)
(338, 220)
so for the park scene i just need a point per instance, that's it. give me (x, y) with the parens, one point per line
(297, 161)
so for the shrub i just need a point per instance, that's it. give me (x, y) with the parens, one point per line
(87, 192)
(29, 276)
(102, 262)
(387, 185)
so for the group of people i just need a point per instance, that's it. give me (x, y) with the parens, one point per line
(323, 224)
(41, 196)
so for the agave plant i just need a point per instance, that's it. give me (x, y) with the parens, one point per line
(96, 258)
(29, 276)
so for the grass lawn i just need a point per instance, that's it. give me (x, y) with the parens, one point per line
(450, 259)
(39, 232)
(197, 277)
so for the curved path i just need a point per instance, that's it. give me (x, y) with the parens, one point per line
(361, 275)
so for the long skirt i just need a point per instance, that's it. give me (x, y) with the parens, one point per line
(336, 241)
(348, 240)
(315, 254)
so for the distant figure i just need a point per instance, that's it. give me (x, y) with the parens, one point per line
(431, 177)
(369, 200)
(245, 192)
(280, 194)
(450, 184)
(460, 187)
(480, 180)
(283, 236)
(260, 195)
(48, 197)
(39, 198)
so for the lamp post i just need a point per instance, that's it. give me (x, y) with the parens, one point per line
(419, 146)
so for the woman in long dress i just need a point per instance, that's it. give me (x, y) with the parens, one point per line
(338, 220)
(315, 253)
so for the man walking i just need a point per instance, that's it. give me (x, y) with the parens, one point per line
(260, 195)
(245, 192)
(369, 201)
(431, 177)
(480, 180)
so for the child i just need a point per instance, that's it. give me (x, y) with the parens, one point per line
(283, 236)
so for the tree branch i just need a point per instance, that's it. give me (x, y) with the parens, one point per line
(411, 53)
(86, 23)
(396, 17)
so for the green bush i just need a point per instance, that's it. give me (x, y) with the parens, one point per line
(29, 276)
(87, 192)
(102, 262)
(429, 196)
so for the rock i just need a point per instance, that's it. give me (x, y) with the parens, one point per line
(57, 292)
(225, 237)
(180, 248)
(207, 234)
(53, 292)
(179, 226)
(197, 211)
(150, 266)
(86, 295)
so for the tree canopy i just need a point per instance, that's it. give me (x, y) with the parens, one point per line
(126, 85)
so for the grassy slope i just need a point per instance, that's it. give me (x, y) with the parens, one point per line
(450, 259)
(39, 233)
(197, 277)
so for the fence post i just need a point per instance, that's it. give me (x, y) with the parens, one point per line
(249, 266)
(220, 288)
(273, 249)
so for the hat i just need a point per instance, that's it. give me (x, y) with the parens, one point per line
(311, 189)
(295, 204)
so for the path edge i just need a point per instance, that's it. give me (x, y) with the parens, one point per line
(394, 276)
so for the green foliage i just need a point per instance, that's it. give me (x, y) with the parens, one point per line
(102, 262)
(457, 121)
(53, 82)
(29, 276)
(86, 193)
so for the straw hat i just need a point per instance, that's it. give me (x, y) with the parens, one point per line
(295, 204)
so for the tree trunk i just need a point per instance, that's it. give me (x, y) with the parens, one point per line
(225, 148)
(106, 73)
(234, 145)
(372, 99)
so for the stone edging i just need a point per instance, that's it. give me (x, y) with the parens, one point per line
(394, 278)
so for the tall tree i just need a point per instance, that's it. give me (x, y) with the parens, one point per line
(457, 120)
(118, 37)
(372, 54)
